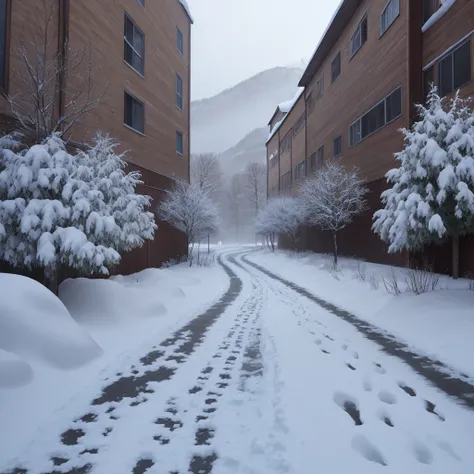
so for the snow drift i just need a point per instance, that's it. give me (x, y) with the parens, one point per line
(34, 324)
(14, 371)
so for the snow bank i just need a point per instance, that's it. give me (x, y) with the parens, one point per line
(36, 325)
(14, 371)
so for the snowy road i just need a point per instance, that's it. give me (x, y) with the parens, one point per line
(265, 381)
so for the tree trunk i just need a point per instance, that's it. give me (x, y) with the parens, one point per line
(456, 256)
(208, 243)
(51, 280)
(272, 241)
(334, 236)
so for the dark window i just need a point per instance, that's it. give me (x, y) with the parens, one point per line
(337, 146)
(359, 37)
(179, 92)
(141, 2)
(300, 170)
(389, 15)
(320, 87)
(428, 80)
(179, 40)
(455, 69)
(430, 7)
(299, 124)
(134, 115)
(179, 143)
(317, 159)
(134, 45)
(285, 143)
(384, 112)
(310, 102)
(393, 105)
(355, 135)
(374, 119)
(336, 67)
(3, 42)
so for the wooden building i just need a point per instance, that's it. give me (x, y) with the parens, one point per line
(374, 62)
(141, 54)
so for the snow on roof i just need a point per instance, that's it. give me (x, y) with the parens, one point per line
(186, 7)
(286, 106)
(445, 6)
(290, 104)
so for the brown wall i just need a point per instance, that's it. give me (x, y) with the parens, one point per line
(273, 173)
(379, 67)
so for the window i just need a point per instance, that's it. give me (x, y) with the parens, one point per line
(285, 181)
(300, 170)
(134, 46)
(179, 92)
(179, 40)
(429, 8)
(141, 2)
(134, 116)
(299, 124)
(336, 67)
(179, 143)
(382, 113)
(274, 160)
(310, 102)
(455, 69)
(320, 87)
(317, 159)
(389, 15)
(359, 37)
(337, 146)
(285, 144)
(3, 43)
(428, 80)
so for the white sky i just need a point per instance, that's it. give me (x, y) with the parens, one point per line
(235, 39)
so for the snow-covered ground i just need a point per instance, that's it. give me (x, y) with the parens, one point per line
(57, 357)
(262, 381)
(439, 323)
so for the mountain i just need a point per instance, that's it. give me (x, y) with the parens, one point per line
(251, 149)
(220, 123)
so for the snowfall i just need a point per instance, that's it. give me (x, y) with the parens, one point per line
(259, 363)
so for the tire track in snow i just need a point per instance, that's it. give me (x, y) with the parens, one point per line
(434, 371)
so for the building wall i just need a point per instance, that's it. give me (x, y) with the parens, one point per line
(379, 67)
(273, 168)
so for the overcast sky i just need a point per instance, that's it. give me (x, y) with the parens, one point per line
(235, 39)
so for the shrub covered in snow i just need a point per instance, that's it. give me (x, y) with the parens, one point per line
(282, 215)
(59, 210)
(432, 192)
(333, 198)
(189, 209)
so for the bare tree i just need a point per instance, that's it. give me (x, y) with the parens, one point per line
(56, 86)
(206, 174)
(188, 208)
(256, 185)
(333, 198)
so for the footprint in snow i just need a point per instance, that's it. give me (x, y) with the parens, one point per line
(383, 415)
(422, 453)
(367, 385)
(379, 368)
(368, 450)
(350, 405)
(387, 397)
(407, 389)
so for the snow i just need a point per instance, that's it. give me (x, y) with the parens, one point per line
(445, 6)
(287, 105)
(188, 10)
(438, 323)
(34, 324)
(14, 371)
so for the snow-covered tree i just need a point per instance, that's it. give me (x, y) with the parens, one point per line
(282, 215)
(432, 193)
(188, 208)
(332, 198)
(59, 210)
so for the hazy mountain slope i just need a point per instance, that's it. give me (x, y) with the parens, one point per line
(250, 149)
(220, 122)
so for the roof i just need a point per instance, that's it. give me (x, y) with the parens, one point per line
(337, 24)
(185, 5)
(289, 105)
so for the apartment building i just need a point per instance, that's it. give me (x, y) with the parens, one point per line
(141, 54)
(375, 60)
